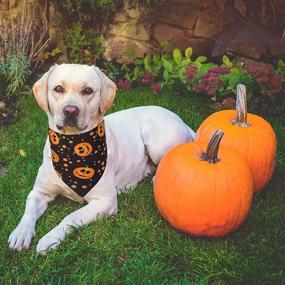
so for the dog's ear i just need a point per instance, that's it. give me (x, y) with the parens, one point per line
(108, 91)
(40, 90)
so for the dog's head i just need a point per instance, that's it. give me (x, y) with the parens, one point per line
(74, 96)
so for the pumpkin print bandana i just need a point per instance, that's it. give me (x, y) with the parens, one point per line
(79, 160)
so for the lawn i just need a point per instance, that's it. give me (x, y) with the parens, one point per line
(136, 246)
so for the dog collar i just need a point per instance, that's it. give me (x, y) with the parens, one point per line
(79, 160)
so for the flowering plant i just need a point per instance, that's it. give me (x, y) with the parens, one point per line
(218, 81)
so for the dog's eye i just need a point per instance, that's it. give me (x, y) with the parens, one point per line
(87, 91)
(58, 89)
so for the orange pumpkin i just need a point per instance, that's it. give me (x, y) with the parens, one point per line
(203, 193)
(250, 135)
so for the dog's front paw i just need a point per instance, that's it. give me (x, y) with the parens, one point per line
(48, 242)
(21, 237)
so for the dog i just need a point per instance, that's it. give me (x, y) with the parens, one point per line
(75, 98)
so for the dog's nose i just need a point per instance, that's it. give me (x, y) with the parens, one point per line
(71, 111)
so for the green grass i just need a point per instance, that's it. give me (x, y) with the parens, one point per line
(136, 246)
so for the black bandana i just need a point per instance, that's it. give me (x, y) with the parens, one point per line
(79, 160)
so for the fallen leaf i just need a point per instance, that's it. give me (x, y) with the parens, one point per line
(22, 153)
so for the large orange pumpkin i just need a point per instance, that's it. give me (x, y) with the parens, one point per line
(201, 191)
(250, 135)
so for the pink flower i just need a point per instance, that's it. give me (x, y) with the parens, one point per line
(229, 103)
(124, 84)
(266, 76)
(156, 88)
(147, 78)
(190, 73)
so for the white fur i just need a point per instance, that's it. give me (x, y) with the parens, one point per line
(137, 139)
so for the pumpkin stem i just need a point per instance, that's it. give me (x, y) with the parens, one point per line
(241, 107)
(211, 154)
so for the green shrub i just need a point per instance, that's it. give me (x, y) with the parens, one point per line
(180, 71)
(83, 40)
(82, 47)
(14, 72)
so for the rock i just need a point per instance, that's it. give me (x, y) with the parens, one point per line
(208, 3)
(231, 16)
(132, 9)
(131, 29)
(221, 4)
(209, 24)
(224, 39)
(120, 17)
(163, 32)
(140, 48)
(241, 7)
(4, 6)
(249, 49)
(201, 46)
(277, 47)
(184, 17)
(249, 40)
(2, 105)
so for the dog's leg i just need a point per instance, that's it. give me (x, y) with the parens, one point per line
(96, 208)
(22, 235)
(161, 137)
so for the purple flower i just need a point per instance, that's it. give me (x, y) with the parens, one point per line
(210, 82)
(124, 84)
(265, 76)
(219, 70)
(190, 73)
(156, 88)
(148, 77)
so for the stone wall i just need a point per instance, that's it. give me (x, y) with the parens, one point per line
(247, 27)
(210, 27)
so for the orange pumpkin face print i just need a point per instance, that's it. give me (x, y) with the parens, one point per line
(83, 149)
(101, 130)
(54, 139)
(79, 160)
(54, 156)
(83, 172)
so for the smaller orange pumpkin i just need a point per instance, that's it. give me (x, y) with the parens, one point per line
(84, 172)
(54, 156)
(204, 193)
(83, 149)
(101, 130)
(53, 137)
(249, 135)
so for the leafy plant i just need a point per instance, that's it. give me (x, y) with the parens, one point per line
(15, 71)
(267, 81)
(82, 47)
(181, 71)
(281, 69)
(95, 14)
(20, 35)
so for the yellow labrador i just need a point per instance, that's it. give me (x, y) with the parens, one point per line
(75, 98)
